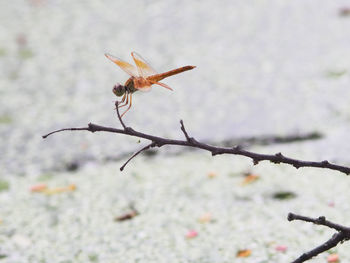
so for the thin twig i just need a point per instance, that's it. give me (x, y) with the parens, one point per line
(184, 131)
(342, 235)
(318, 221)
(66, 129)
(119, 117)
(153, 144)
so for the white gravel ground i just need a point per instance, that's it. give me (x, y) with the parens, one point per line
(263, 67)
(170, 195)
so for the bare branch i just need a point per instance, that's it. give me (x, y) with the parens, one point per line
(191, 142)
(153, 144)
(342, 235)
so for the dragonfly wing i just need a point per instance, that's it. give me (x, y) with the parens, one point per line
(128, 68)
(143, 67)
(163, 85)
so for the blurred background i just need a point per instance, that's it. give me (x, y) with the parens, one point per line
(264, 67)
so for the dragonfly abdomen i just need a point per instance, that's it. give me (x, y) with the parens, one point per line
(164, 75)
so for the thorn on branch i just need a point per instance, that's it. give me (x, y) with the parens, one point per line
(320, 221)
(159, 144)
(278, 158)
(279, 155)
(215, 152)
(296, 166)
(237, 148)
(256, 161)
(92, 127)
(325, 162)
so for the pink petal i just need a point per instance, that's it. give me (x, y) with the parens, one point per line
(281, 248)
(38, 187)
(333, 258)
(191, 234)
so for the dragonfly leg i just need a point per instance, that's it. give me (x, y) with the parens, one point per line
(128, 107)
(123, 99)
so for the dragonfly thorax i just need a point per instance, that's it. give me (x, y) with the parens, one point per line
(131, 83)
(140, 82)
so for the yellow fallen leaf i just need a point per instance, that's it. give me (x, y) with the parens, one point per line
(212, 175)
(243, 253)
(250, 178)
(84, 145)
(59, 190)
(205, 218)
(71, 187)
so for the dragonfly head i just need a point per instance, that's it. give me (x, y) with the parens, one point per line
(119, 90)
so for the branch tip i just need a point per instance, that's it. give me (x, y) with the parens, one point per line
(290, 217)
(185, 132)
(152, 144)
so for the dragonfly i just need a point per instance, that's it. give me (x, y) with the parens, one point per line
(142, 77)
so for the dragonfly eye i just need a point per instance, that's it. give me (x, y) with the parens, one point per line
(118, 90)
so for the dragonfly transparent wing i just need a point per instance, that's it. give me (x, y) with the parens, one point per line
(163, 85)
(128, 68)
(143, 67)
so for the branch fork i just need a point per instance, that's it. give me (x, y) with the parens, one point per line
(342, 235)
(189, 139)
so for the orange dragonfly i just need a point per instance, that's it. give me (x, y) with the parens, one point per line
(142, 77)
